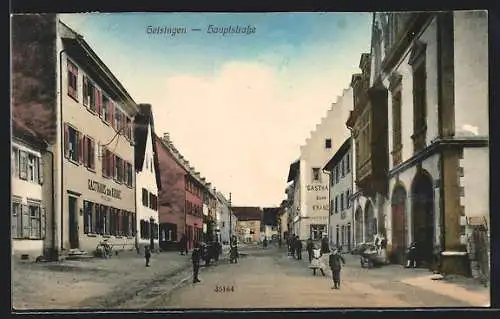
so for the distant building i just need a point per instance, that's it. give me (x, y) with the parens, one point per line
(341, 185)
(148, 181)
(249, 223)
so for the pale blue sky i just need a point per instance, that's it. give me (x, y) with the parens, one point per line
(237, 106)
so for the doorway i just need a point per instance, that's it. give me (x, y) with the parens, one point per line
(73, 222)
(399, 228)
(423, 217)
(370, 223)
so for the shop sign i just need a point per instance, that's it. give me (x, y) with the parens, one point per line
(104, 189)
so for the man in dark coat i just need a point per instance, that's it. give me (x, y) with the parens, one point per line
(310, 248)
(298, 248)
(325, 247)
(336, 261)
(147, 254)
(183, 245)
(196, 257)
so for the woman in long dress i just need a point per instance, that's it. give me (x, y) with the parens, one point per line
(318, 262)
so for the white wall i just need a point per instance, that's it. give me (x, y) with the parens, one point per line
(429, 36)
(23, 190)
(314, 195)
(476, 181)
(471, 73)
(344, 184)
(146, 178)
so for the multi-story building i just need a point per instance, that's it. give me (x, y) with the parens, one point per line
(31, 188)
(96, 157)
(310, 182)
(172, 196)
(293, 192)
(340, 230)
(224, 218)
(425, 64)
(249, 223)
(194, 206)
(148, 181)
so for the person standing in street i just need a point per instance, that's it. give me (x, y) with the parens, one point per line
(325, 247)
(196, 257)
(147, 254)
(310, 248)
(183, 245)
(336, 261)
(298, 248)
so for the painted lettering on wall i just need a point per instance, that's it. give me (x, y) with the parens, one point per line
(316, 188)
(321, 207)
(321, 198)
(103, 189)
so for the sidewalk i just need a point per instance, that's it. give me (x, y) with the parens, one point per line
(93, 283)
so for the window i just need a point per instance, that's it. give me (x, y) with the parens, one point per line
(348, 201)
(23, 163)
(328, 143)
(72, 80)
(336, 204)
(89, 94)
(73, 144)
(332, 205)
(145, 198)
(28, 221)
(316, 174)
(129, 174)
(348, 163)
(89, 152)
(107, 109)
(418, 61)
(33, 168)
(15, 162)
(118, 120)
(343, 167)
(341, 202)
(316, 231)
(119, 170)
(129, 128)
(108, 162)
(153, 203)
(337, 174)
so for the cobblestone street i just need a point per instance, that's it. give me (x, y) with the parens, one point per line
(271, 279)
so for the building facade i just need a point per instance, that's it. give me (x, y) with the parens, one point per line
(29, 193)
(224, 218)
(96, 161)
(341, 223)
(172, 196)
(310, 182)
(194, 209)
(249, 223)
(148, 182)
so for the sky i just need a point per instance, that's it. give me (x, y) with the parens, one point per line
(237, 106)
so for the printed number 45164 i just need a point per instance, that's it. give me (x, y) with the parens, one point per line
(224, 288)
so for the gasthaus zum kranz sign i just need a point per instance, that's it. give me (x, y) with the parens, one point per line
(104, 189)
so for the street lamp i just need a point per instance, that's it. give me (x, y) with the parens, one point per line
(151, 234)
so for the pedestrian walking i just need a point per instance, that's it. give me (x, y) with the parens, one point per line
(325, 246)
(317, 263)
(310, 248)
(196, 257)
(298, 248)
(147, 254)
(412, 256)
(233, 251)
(336, 261)
(183, 245)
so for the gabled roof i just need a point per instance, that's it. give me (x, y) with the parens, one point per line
(270, 216)
(144, 124)
(294, 169)
(23, 132)
(338, 155)
(247, 213)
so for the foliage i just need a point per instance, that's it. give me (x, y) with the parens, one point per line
(33, 72)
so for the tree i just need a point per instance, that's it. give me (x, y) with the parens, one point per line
(33, 73)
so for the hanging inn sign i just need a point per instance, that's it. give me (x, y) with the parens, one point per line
(103, 189)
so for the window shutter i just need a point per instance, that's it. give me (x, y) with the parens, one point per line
(92, 154)
(123, 124)
(23, 167)
(98, 101)
(85, 150)
(80, 147)
(42, 222)
(40, 170)
(85, 91)
(66, 140)
(104, 159)
(26, 221)
(112, 114)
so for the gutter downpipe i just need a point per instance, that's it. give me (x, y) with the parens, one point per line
(52, 254)
(62, 143)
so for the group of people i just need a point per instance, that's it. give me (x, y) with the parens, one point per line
(320, 258)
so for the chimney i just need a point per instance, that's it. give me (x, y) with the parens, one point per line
(166, 137)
